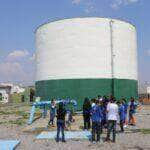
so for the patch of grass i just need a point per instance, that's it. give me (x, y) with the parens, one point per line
(145, 131)
(4, 122)
(37, 114)
(16, 98)
(5, 112)
(19, 122)
(24, 114)
(37, 130)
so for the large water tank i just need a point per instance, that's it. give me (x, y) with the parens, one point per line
(86, 57)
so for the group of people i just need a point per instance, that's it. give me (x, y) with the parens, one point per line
(101, 112)
(104, 113)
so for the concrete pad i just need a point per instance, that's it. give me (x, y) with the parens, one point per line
(8, 144)
(68, 135)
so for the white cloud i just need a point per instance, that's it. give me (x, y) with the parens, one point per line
(148, 52)
(89, 7)
(132, 1)
(18, 67)
(128, 2)
(76, 2)
(118, 3)
(33, 57)
(17, 54)
(12, 71)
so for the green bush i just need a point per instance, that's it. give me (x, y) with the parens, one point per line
(16, 98)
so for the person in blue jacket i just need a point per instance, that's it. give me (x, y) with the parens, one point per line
(121, 115)
(105, 101)
(132, 110)
(103, 113)
(125, 103)
(96, 117)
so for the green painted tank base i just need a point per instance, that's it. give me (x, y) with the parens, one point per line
(80, 88)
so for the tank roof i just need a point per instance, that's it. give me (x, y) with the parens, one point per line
(57, 20)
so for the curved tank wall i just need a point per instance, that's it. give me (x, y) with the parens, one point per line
(79, 57)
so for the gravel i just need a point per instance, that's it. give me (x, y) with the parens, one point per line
(133, 140)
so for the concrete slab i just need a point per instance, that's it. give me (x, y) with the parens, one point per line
(8, 144)
(68, 135)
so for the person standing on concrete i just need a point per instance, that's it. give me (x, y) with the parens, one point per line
(86, 113)
(112, 113)
(132, 109)
(52, 112)
(121, 115)
(61, 112)
(105, 103)
(125, 103)
(96, 117)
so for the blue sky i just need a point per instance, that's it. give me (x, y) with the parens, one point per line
(20, 18)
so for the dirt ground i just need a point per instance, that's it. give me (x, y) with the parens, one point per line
(13, 126)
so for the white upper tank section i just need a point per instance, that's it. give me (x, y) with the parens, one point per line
(85, 48)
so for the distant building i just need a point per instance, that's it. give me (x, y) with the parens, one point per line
(17, 89)
(148, 90)
(5, 92)
(144, 90)
(7, 89)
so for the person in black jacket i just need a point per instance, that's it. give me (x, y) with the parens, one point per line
(86, 113)
(61, 112)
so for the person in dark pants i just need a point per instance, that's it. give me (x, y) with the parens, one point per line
(96, 116)
(102, 115)
(105, 102)
(121, 115)
(112, 112)
(61, 112)
(111, 127)
(86, 113)
(125, 103)
(132, 109)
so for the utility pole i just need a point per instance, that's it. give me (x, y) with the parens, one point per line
(112, 57)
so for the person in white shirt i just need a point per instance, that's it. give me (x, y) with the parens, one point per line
(100, 98)
(93, 101)
(112, 114)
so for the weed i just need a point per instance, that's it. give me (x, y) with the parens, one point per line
(5, 112)
(17, 122)
(145, 131)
